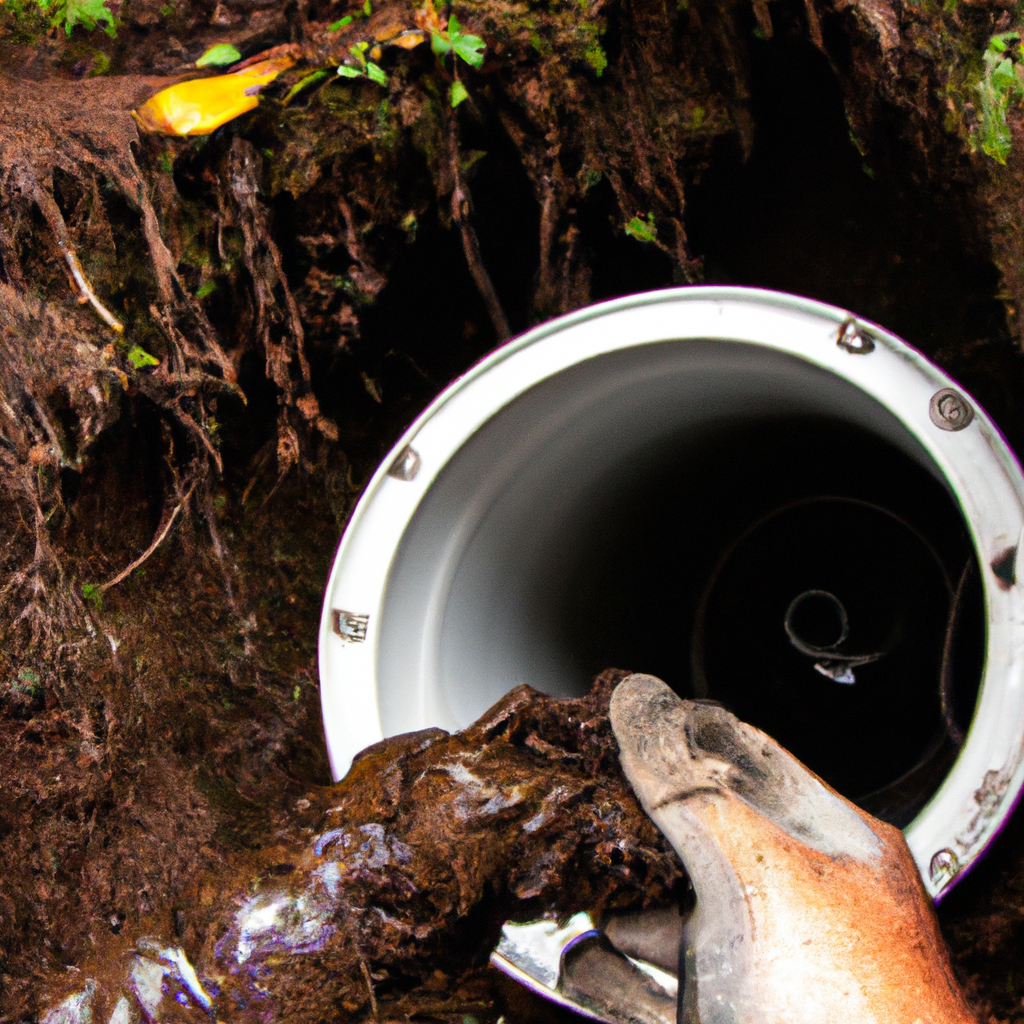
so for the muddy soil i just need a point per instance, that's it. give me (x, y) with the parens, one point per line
(295, 287)
(388, 891)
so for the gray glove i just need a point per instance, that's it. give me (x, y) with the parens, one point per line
(808, 910)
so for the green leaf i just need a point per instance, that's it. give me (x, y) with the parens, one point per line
(643, 231)
(341, 23)
(439, 44)
(347, 71)
(999, 42)
(91, 592)
(90, 14)
(457, 93)
(219, 56)
(367, 9)
(305, 83)
(202, 291)
(139, 358)
(376, 74)
(469, 48)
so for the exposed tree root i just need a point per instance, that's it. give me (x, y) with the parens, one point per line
(160, 537)
(462, 208)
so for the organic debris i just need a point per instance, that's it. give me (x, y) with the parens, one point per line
(393, 900)
(200, 106)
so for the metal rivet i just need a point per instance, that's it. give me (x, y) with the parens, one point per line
(944, 866)
(406, 465)
(349, 626)
(852, 339)
(949, 410)
(1004, 565)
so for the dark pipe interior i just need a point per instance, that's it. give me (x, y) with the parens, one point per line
(716, 546)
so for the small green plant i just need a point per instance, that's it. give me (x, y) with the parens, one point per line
(140, 358)
(349, 18)
(93, 594)
(1002, 84)
(304, 83)
(450, 39)
(461, 45)
(207, 288)
(642, 230)
(219, 56)
(453, 40)
(365, 68)
(27, 683)
(90, 14)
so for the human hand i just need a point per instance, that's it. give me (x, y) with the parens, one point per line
(808, 910)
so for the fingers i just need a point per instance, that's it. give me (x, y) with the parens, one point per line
(601, 981)
(651, 935)
(673, 749)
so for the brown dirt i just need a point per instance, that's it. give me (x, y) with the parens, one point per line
(433, 842)
(154, 728)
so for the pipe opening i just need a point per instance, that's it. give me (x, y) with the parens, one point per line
(660, 509)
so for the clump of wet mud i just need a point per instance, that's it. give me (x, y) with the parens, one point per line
(386, 893)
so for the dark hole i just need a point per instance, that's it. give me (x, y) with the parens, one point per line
(866, 730)
(807, 213)
(866, 523)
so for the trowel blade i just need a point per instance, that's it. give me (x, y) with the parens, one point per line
(574, 966)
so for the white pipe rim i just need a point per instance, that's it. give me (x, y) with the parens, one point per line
(981, 789)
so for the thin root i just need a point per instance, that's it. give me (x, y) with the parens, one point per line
(85, 288)
(461, 206)
(369, 986)
(157, 541)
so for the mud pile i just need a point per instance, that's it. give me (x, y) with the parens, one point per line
(391, 903)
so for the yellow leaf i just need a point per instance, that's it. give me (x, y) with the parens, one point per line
(200, 106)
(408, 40)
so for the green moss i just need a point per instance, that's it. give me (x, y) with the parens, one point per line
(21, 21)
(642, 230)
(1001, 84)
(596, 58)
(592, 52)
